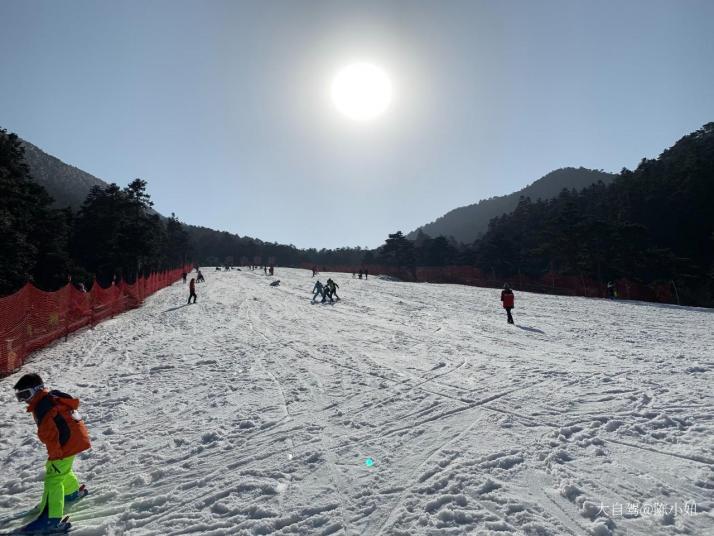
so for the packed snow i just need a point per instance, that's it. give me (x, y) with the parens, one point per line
(403, 409)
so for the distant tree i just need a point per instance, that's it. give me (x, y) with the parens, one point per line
(115, 232)
(33, 235)
(397, 251)
(177, 242)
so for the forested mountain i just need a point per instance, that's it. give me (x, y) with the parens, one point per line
(655, 223)
(67, 185)
(113, 235)
(468, 223)
(653, 226)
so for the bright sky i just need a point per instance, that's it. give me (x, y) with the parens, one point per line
(224, 106)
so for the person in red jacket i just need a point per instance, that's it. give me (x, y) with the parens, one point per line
(192, 290)
(65, 435)
(508, 299)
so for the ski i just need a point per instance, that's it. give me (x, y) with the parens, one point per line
(6, 520)
(69, 503)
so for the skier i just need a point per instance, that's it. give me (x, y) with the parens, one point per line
(611, 292)
(65, 435)
(271, 270)
(184, 276)
(508, 299)
(192, 290)
(360, 274)
(318, 289)
(200, 278)
(332, 287)
(327, 293)
(365, 273)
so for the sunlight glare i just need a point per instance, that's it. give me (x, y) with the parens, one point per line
(361, 91)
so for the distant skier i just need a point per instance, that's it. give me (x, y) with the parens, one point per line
(360, 274)
(611, 291)
(200, 278)
(192, 290)
(271, 270)
(366, 273)
(184, 276)
(508, 299)
(332, 288)
(318, 290)
(65, 435)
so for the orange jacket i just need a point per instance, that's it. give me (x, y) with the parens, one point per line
(507, 298)
(58, 426)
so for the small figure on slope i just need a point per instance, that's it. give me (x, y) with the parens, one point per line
(192, 290)
(65, 435)
(332, 289)
(611, 290)
(508, 299)
(318, 290)
(200, 278)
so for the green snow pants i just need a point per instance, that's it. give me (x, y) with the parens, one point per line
(60, 480)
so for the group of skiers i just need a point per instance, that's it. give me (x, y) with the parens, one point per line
(359, 274)
(328, 290)
(65, 435)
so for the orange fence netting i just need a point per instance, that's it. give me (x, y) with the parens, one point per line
(31, 318)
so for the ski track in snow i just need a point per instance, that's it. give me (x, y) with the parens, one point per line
(253, 411)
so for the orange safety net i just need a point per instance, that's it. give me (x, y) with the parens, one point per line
(31, 318)
(549, 283)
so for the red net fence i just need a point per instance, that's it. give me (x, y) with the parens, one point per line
(31, 318)
(549, 283)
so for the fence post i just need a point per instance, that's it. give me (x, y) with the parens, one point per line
(676, 293)
(91, 302)
(67, 308)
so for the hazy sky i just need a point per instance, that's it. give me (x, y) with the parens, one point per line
(224, 106)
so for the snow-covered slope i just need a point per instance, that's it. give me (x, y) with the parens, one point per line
(254, 411)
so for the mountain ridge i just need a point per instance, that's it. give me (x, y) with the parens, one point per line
(470, 222)
(68, 185)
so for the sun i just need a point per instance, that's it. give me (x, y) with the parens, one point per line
(361, 91)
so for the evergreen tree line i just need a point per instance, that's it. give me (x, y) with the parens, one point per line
(651, 225)
(115, 235)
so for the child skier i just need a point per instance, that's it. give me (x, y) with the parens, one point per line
(63, 432)
(192, 290)
(508, 299)
(318, 290)
(332, 288)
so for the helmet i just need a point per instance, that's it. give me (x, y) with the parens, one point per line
(506, 286)
(27, 387)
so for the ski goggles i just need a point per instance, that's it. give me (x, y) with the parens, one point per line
(25, 395)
